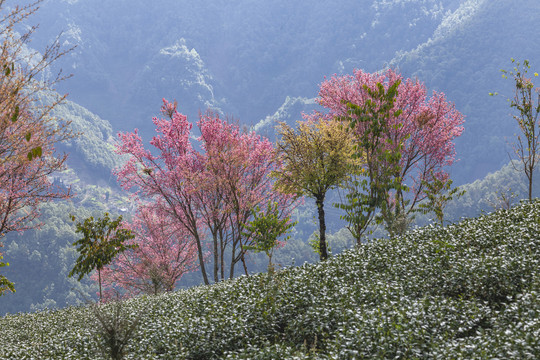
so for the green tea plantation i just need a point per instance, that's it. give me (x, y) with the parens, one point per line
(466, 291)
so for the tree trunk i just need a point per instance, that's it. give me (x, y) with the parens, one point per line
(99, 278)
(216, 259)
(201, 259)
(322, 229)
(245, 266)
(233, 259)
(222, 246)
(530, 178)
(530, 189)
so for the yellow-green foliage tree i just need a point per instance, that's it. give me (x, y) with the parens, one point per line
(315, 158)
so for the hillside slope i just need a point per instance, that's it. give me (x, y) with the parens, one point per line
(470, 290)
(464, 59)
(41, 258)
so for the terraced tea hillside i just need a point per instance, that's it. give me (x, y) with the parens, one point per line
(470, 290)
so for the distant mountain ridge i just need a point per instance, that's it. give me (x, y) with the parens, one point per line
(255, 53)
(466, 65)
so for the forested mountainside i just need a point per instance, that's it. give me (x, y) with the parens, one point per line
(244, 57)
(40, 259)
(465, 61)
(253, 59)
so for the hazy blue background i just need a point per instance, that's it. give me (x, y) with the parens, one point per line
(246, 57)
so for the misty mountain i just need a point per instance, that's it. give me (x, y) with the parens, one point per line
(250, 59)
(464, 59)
(244, 57)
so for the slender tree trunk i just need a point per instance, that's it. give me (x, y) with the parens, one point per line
(271, 268)
(530, 188)
(201, 259)
(99, 278)
(233, 260)
(245, 266)
(222, 256)
(216, 258)
(322, 229)
(530, 178)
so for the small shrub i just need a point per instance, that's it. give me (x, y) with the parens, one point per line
(114, 327)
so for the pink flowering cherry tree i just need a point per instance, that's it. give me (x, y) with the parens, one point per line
(162, 254)
(424, 128)
(209, 189)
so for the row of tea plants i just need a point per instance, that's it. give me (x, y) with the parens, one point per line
(466, 291)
